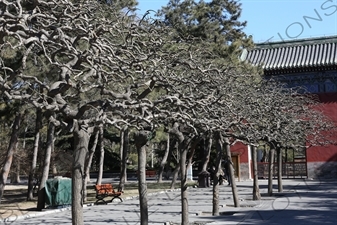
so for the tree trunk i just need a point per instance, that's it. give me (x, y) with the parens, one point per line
(15, 170)
(271, 169)
(176, 170)
(192, 147)
(140, 141)
(219, 147)
(10, 152)
(32, 171)
(256, 189)
(15, 178)
(101, 159)
(207, 153)
(46, 167)
(279, 169)
(167, 169)
(124, 157)
(164, 160)
(183, 184)
(231, 173)
(175, 176)
(152, 150)
(52, 160)
(18, 171)
(183, 148)
(18, 161)
(88, 164)
(81, 143)
(265, 154)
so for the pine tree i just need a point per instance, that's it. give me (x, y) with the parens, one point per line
(216, 21)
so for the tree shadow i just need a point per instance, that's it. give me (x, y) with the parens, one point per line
(291, 216)
(328, 170)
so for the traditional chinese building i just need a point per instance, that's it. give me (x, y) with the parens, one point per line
(310, 63)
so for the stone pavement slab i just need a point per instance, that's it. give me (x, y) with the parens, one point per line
(303, 202)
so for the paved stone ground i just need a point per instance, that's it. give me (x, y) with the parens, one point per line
(302, 202)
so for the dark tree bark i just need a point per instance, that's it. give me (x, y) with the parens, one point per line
(167, 168)
(279, 169)
(175, 176)
(15, 178)
(23, 149)
(10, 153)
(271, 169)
(191, 148)
(164, 160)
(183, 144)
(81, 143)
(101, 158)
(46, 166)
(52, 159)
(183, 185)
(265, 154)
(124, 157)
(256, 189)
(176, 170)
(32, 171)
(207, 153)
(140, 142)
(89, 162)
(15, 171)
(219, 149)
(231, 173)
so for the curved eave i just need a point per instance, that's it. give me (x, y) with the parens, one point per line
(294, 57)
(299, 70)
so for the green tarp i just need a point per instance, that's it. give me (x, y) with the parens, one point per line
(58, 191)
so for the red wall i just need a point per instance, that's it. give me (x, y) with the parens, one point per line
(322, 154)
(329, 105)
(241, 150)
(316, 153)
(325, 153)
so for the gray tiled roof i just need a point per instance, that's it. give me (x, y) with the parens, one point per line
(307, 53)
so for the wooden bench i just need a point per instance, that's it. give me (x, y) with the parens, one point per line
(106, 190)
(149, 173)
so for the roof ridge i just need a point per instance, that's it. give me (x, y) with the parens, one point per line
(306, 53)
(290, 43)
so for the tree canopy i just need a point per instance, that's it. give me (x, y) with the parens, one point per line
(87, 65)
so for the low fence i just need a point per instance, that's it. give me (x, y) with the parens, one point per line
(289, 169)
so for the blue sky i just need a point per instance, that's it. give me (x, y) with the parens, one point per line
(277, 20)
